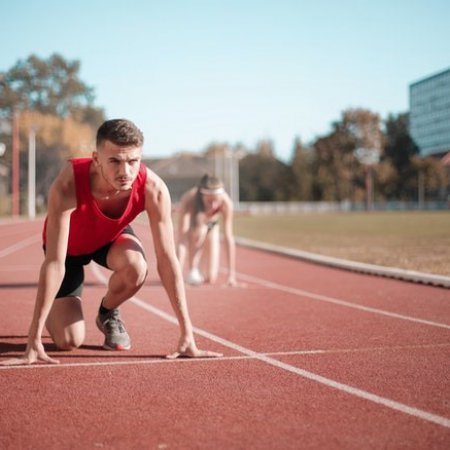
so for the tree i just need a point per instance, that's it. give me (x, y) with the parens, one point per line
(332, 168)
(431, 176)
(399, 152)
(49, 96)
(301, 165)
(263, 177)
(50, 86)
(338, 173)
(364, 127)
(56, 140)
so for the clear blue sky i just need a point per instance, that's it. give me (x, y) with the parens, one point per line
(192, 72)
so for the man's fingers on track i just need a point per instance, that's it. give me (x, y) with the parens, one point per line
(15, 362)
(28, 362)
(198, 354)
(50, 360)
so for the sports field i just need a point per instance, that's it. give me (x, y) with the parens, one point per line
(407, 240)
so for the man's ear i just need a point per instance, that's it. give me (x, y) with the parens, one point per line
(95, 158)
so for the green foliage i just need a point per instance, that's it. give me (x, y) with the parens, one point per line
(50, 86)
(301, 165)
(401, 182)
(47, 95)
(264, 178)
(335, 166)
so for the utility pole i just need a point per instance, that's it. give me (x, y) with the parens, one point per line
(15, 165)
(32, 173)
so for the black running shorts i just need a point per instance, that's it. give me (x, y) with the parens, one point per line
(72, 284)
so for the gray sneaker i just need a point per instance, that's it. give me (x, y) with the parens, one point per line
(116, 337)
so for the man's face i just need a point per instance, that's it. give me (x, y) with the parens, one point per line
(118, 165)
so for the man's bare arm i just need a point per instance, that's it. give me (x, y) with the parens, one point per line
(158, 207)
(52, 269)
(184, 218)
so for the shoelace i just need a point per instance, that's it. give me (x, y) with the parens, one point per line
(114, 323)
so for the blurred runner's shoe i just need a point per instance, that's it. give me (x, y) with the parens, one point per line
(195, 277)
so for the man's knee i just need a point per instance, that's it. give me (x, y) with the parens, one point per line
(68, 343)
(136, 272)
(68, 338)
(65, 323)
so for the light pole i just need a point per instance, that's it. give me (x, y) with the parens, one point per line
(15, 165)
(368, 157)
(32, 173)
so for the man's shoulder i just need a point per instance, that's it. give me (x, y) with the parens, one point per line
(64, 183)
(153, 179)
(154, 184)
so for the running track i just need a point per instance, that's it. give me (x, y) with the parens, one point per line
(314, 358)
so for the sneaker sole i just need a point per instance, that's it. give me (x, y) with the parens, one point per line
(117, 347)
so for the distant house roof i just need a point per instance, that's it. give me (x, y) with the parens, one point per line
(181, 172)
(182, 164)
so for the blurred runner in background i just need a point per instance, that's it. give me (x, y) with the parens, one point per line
(198, 232)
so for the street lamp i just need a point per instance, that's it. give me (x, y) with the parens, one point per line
(32, 172)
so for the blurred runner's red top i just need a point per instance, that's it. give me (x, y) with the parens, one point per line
(90, 229)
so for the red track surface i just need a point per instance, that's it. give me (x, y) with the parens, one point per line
(314, 357)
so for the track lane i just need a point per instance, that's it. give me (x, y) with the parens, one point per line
(325, 417)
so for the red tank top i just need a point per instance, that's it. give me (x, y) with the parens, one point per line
(90, 229)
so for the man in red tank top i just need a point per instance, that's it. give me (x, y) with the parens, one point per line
(91, 204)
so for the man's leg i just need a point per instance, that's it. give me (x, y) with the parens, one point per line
(126, 259)
(65, 323)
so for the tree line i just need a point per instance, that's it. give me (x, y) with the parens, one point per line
(48, 96)
(361, 151)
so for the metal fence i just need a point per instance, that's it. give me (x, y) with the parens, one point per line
(325, 207)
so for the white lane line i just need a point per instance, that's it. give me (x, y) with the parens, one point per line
(337, 351)
(360, 393)
(156, 360)
(336, 301)
(161, 359)
(137, 362)
(20, 245)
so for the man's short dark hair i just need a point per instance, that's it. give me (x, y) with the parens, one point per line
(121, 132)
